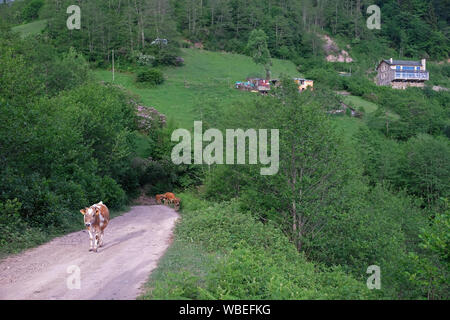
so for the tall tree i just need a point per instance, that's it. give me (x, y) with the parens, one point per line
(257, 47)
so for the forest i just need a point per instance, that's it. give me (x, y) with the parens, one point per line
(350, 192)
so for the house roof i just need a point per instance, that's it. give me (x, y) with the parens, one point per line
(403, 62)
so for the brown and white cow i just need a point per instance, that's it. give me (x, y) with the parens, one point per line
(160, 198)
(96, 218)
(169, 198)
(176, 203)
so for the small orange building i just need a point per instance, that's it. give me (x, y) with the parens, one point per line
(303, 84)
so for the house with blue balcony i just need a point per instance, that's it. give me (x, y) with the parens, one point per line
(400, 74)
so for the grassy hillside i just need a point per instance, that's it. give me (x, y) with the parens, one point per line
(31, 28)
(358, 102)
(206, 77)
(369, 107)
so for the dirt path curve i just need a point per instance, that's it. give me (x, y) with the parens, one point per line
(133, 244)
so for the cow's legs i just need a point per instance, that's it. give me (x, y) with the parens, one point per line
(101, 239)
(91, 241)
(97, 236)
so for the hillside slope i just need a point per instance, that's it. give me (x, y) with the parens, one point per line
(206, 77)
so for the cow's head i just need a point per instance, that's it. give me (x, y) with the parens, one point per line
(90, 214)
(176, 203)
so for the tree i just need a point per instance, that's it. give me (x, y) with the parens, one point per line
(424, 169)
(433, 268)
(300, 196)
(31, 10)
(257, 47)
(310, 165)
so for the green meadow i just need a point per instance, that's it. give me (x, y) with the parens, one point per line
(206, 78)
(358, 102)
(31, 28)
(369, 107)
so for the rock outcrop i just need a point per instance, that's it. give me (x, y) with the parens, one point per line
(334, 54)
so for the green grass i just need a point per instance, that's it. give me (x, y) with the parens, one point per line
(221, 252)
(183, 262)
(350, 125)
(31, 28)
(357, 102)
(206, 77)
(369, 107)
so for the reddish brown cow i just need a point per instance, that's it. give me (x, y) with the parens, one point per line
(176, 203)
(168, 197)
(160, 198)
(96, 218)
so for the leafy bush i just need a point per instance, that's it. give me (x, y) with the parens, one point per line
(31, 10)
(231, 227)
(10, 217)
(167, 57)
(424, 167)
(250, 260)
(144, 59)
(150, 76)
(433, 272)
(72, 143)
(15, 234)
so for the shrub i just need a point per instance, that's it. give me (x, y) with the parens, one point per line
(31, 10)
(166, 58)
(247, 260)
(230, 226)
(15, 234)
(144, 59)
(150, 76)
(112, 193)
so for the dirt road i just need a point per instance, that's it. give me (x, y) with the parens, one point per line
(133, 244)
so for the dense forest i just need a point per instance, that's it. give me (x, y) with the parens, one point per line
(344, 198)
(411, 28)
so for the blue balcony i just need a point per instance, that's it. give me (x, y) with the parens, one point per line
(411, 75)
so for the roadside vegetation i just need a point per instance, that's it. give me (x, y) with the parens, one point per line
(222, 252)
(349, 206)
